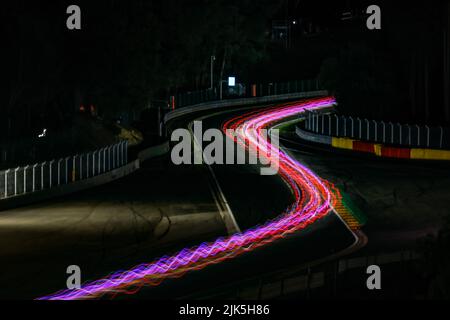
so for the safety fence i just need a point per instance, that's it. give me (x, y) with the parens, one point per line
(49, 174)
(243, 91)
(378, 131)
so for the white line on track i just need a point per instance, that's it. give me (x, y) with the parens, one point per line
(218, 195)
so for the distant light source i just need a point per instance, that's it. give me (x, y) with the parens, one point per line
(43, 134)
(231, 81)
(294, 22)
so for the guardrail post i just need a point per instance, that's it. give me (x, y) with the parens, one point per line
(6, 182)
(375, 126)
(384, 131)
(391, 125)
(315, 115)
(25, 179)
(126, 152)
(323, 123)
(50, 172)
(67, 170)
(74, 170)
(104, 160)
(360, 128)
(118, 154)
(352, 123)
(93, 163)
(120, 148)
(441, 140)
(122, 156)
(345, 126)
(81, 167)
(99, 163)
(309, 120)
(42, 175)
(34, 177)
(59, 171)
(428, 136)
(15, 180)
(2, 192)
(88, 169)
(409, 134)
(337, 125)
(114, 157)
(367, 122)
(418, 135)
(109, 158)
(329, 125)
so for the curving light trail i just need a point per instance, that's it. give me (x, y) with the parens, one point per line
(314, 198)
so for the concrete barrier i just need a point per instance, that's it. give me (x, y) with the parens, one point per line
(154, 152)
(342, 143)
(308, 136)
(430, 154)
(241, 102)
(374, 148)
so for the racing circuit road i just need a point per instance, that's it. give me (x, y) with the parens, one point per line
(298, 206)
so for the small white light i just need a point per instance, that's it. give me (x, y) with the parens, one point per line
(231, 81)
(43, 134)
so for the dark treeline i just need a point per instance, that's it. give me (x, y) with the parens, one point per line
(399, 73)
(127, 54)
(130, 53)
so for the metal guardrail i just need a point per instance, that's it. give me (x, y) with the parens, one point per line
(378, 131)
(250, 91)
(50, 174)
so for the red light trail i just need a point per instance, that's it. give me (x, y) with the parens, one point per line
(314, 198)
